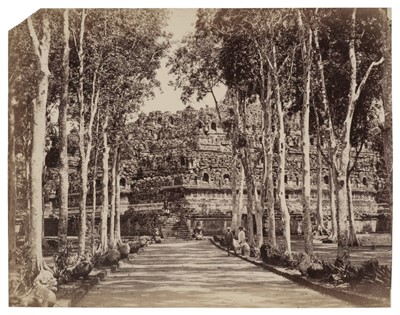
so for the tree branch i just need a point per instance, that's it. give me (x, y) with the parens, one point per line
(34, 38)
(358, 151)
(364, 79)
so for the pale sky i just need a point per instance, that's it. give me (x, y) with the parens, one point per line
(180, 24)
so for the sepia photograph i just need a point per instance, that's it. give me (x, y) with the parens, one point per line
(200, 158)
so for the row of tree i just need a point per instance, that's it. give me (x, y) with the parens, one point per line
(95, 68)
(331, 65)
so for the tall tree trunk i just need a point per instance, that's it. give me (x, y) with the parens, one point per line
(241, 193)
(332, 146)
(42, 48)
(82, 209)
(340, 162)
(94, 208)
(342, 213)
(320, 212)
(250, 199)
(235, 210)
(327, 118)
(282, 161)
(118, 202)
(12, 180)
(104, 210)
(94, 185)
(83, 169)
(387, 100)
(62, 123)
(268, 141)
(332, 199)
(85, 152)
(265, 100)
(306, 52)
(271, 194)
(259, 219)
(113, 195)
(344, 157)
(353, 240)
(28, 188)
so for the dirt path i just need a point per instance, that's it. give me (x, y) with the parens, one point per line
(197, 274)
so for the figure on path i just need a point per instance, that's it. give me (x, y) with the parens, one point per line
(198, 232)
(241, 236)
(229, 241)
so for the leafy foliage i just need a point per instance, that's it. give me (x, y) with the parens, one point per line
(275, 256)
(134, 223)
(341, 271)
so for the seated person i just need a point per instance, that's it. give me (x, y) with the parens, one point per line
(198, 232)
(156, 235)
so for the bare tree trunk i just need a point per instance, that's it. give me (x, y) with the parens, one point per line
(342, 214)
(282, 162)
(42, 48)
(85, 152)
(113, 195)
(94, 208)
(104, 211)
(259, 219)
(268, 183)
(12, 180)
(306, 53)
(332, 198)
(387, 101)
(340, 163)
(332, 146)
(250, 199)
(28, 188)
(62, 123)
(235, 210)
(118, 202)
(240, 195)
(353, 240)
(344, 157)
(82, 209)
(271, 195)
(320, 212)
(84, 169)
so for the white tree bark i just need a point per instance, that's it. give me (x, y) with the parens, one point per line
(63, 136)
(94, 185)
(353, 241)
(240, 195)
(306, 53)
(113, 197)
(387, 100)
(42, 49)
(282, 159)
(83, 170)
(320, 213)
(235, 209)
(12, 180)
(332, 199)
(104, 210)
(118, 203)
(259, 219)
(344, 156)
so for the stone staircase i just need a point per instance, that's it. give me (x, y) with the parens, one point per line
(175, 228)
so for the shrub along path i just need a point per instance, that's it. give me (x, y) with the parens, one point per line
(197, 274)
(357, 254)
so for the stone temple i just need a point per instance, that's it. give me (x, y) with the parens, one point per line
(195, 185)
(182, 173)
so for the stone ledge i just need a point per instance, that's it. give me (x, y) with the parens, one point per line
(353, 298)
